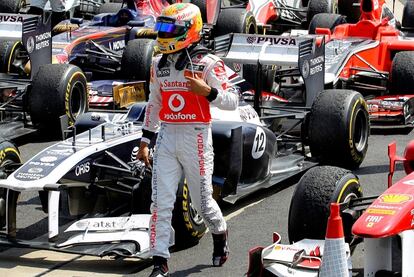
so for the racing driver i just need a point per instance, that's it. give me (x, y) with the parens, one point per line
(185, 81)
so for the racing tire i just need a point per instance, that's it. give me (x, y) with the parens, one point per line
(109, 8)
(189, 226)
(236, 20)
(402, 73)
(57, 89)
(11, 6)
(321, 6)
(136, 61)
(9, 161)
(338, 128)
(14, 58)
(325, 20)
(408, 15)
(310, 205)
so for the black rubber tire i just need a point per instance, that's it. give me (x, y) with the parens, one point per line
(402, 73)
(339, 128)
(235, 20)
(310, 205)
(202, 5)
(321, 6)
(408, 15)
(11, 6)
(347, 8)
(9, 161)
(8, 50)
(238, 20)
(109, 8)
(57, 89)
(136, 61)
(188, 225)
(325, 20)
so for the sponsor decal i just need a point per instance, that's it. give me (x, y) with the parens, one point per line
(372, 220)
(247, 113)
(276, 40)
(175, 84)
(395, 199)
(35, 170)
(164, 72)
(381, 211)
(237, 67)
(82, 169)
(251, 40)
(42, 40)
(153, 230)
(305, 69)
(117, 45)
(43, 164)
(30, 45)
(48, 159)
(285, 247)
(200, 148)
(259, 143)
(29, 176)
(409, 182)
(316, 65)
(176, 102)
(11, 18)
(196, 67)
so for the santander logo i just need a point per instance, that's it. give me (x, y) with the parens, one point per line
(176, 102)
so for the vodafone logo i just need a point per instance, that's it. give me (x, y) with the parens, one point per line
(176, 102)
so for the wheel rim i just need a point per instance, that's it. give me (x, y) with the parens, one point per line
(360, 136)
(19, 59)
(77, 101)
(5, 167)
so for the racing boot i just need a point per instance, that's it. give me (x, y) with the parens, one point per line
(160, 267)
(221, 249)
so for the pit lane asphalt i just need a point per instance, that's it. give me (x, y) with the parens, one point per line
(251, 222)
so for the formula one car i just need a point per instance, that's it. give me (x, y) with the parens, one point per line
(33, 92)
(383, 223)
(282, 15)
(373, 56)
(97, 46)
(111, 191)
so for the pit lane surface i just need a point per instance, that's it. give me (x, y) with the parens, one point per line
(251, 222)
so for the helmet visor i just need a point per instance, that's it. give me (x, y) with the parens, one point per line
(169, 29)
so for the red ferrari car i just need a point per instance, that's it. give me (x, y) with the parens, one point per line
(374, 56)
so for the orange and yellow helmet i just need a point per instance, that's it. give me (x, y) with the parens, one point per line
(178, 26)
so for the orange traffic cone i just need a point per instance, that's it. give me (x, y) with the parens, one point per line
(334, 260)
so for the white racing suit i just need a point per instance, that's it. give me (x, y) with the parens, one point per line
(184, 143)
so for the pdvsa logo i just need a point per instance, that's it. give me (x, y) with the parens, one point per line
(176, 102)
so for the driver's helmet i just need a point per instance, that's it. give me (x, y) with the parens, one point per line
(178, 26)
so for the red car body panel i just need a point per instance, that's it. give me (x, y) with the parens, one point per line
(263, 11)
(390, 214)
(385, 41)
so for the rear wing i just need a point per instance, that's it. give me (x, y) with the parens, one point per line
(303, 53)
(35, 34)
